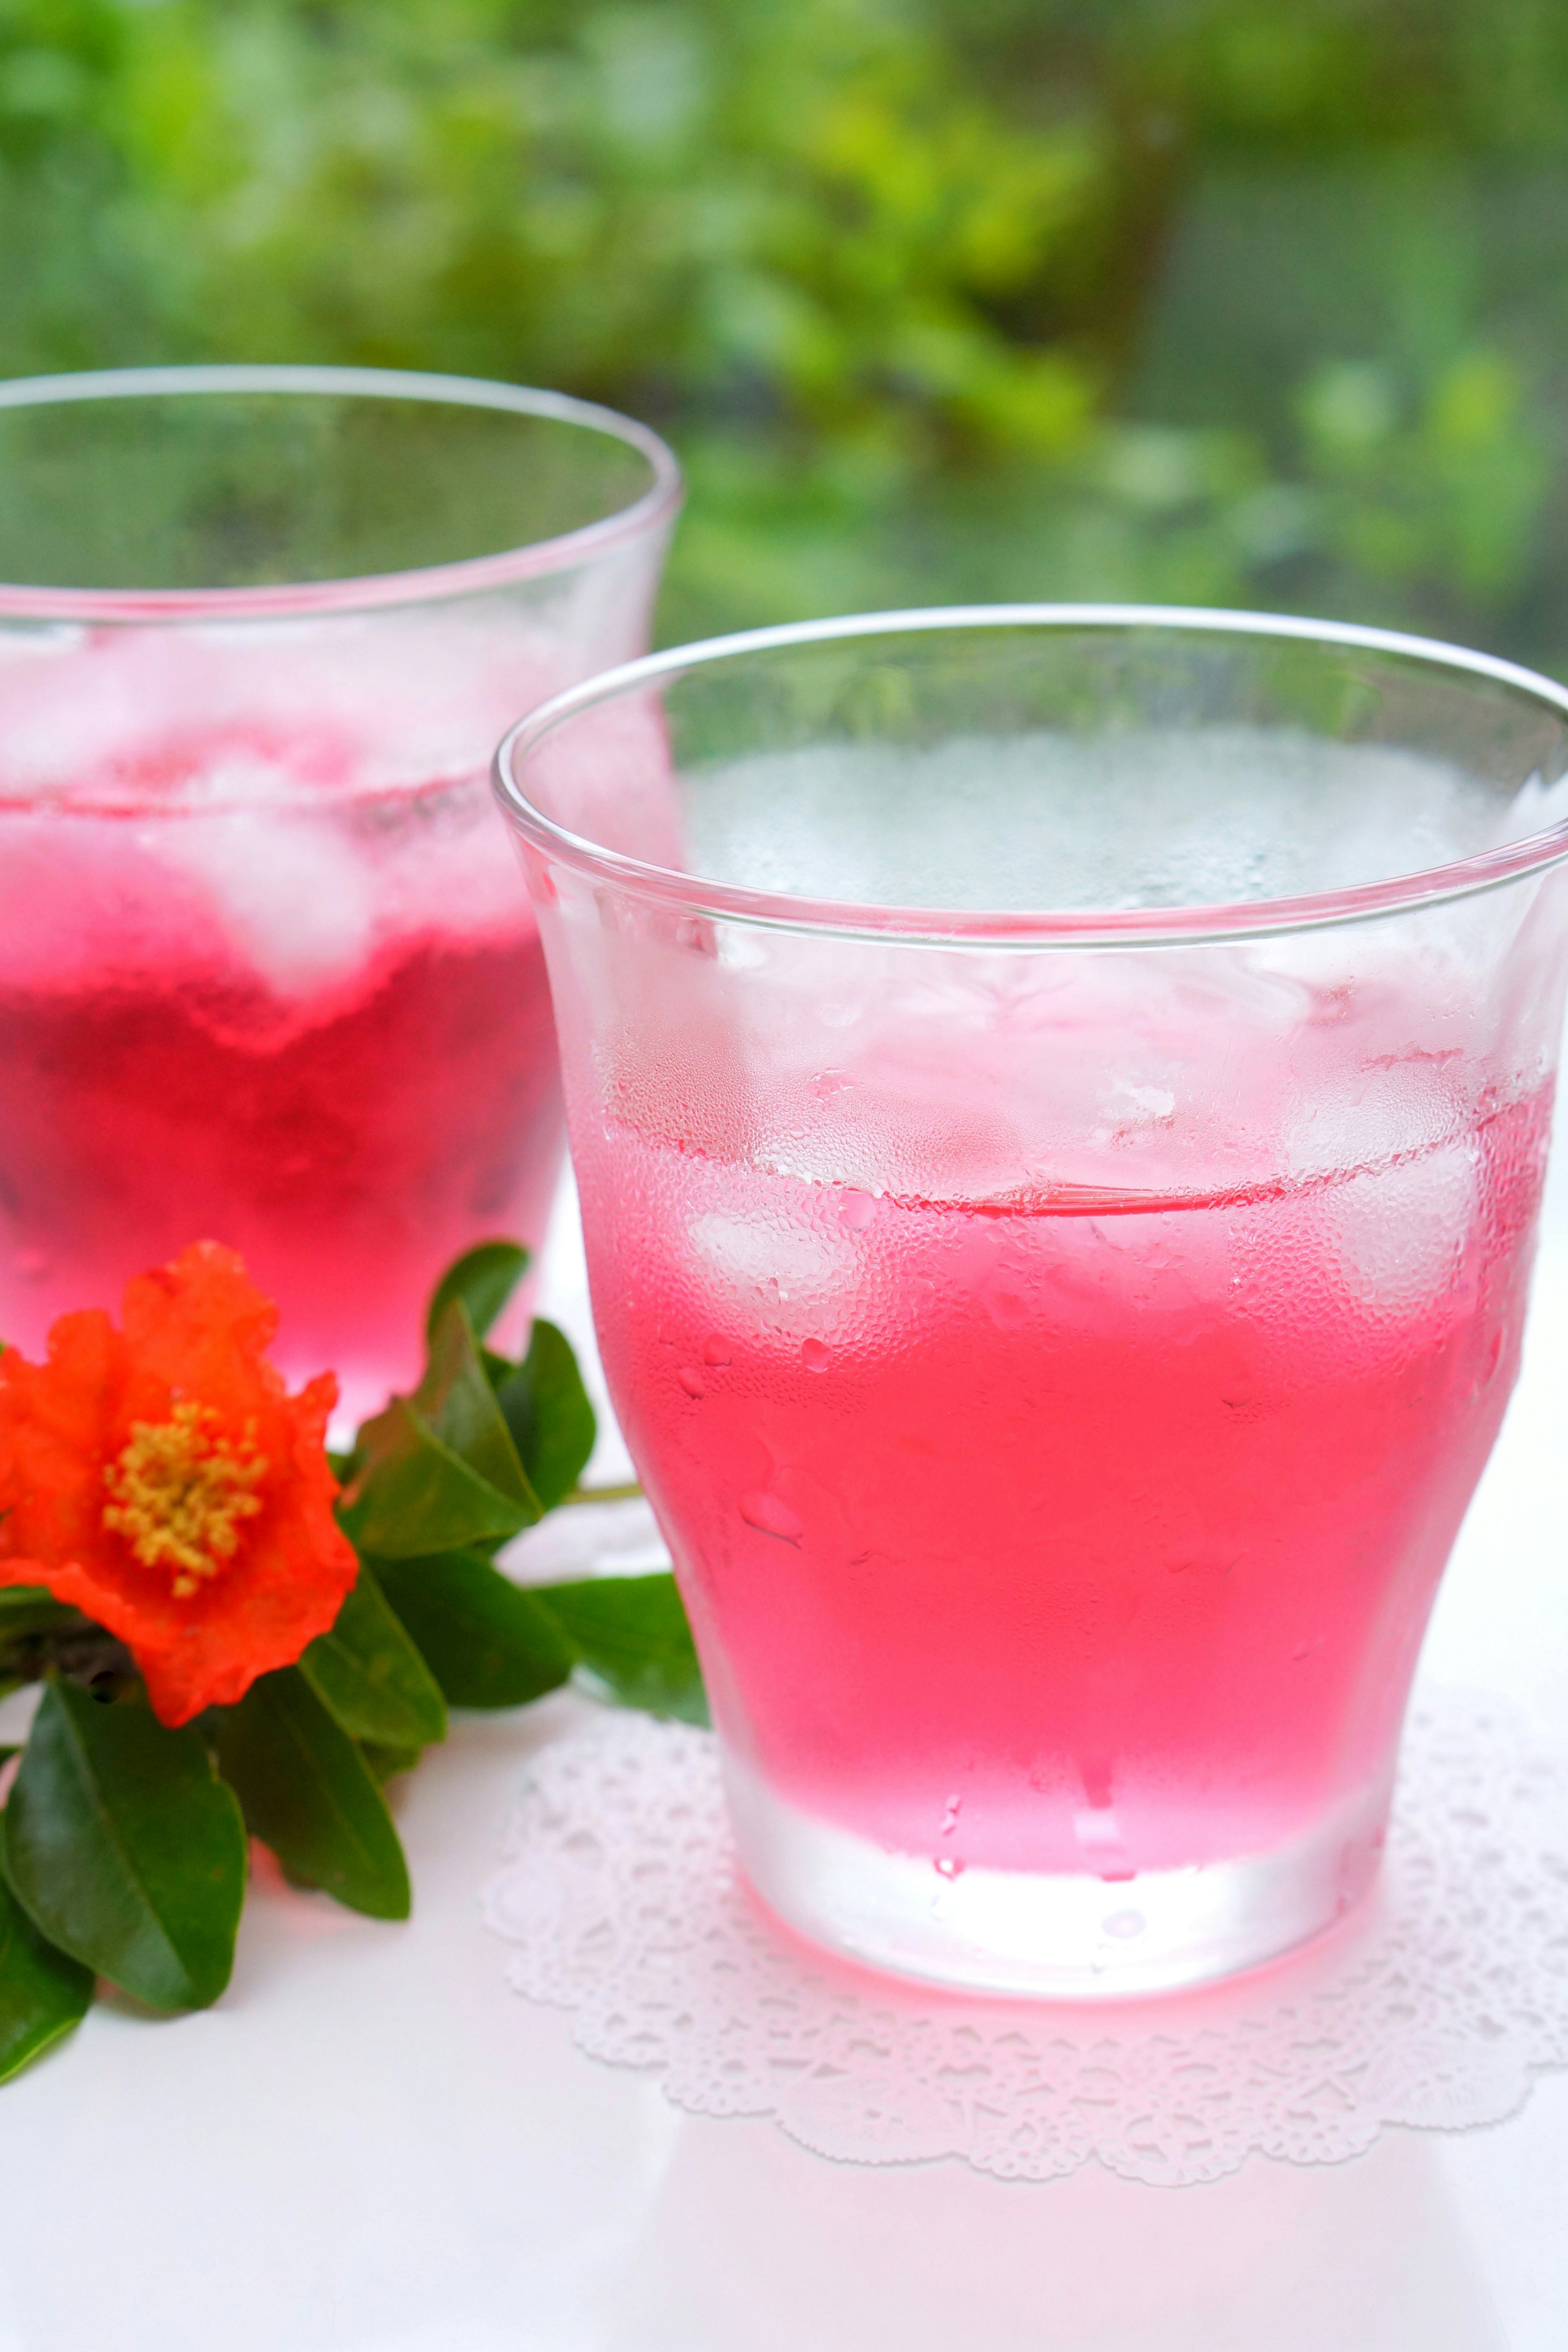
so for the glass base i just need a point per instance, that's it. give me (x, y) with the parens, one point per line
(1060, 1936)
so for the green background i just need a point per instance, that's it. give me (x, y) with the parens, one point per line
(1201, 300)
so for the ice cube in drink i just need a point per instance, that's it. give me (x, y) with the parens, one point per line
(267, 974)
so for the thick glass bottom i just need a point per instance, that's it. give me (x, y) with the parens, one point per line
(1060, 1936)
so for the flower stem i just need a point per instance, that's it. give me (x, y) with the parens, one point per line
(625, 1493)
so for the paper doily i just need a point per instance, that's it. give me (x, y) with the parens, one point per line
(1436, 2006)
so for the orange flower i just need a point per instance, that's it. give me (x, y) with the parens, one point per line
(162, 1479)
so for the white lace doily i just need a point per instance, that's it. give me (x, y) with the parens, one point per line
(1437, 2007)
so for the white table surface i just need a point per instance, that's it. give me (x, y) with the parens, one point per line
(372, 2145)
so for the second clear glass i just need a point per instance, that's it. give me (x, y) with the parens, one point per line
(1059, 1100)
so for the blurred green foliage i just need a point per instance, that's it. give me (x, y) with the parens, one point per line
(1201, 300)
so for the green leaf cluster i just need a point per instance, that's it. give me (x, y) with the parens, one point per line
(122, 1844)
(1191, 300)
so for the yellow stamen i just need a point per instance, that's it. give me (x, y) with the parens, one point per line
(179, 1492)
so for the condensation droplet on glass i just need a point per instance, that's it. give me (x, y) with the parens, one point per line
(1125, 1925)
(950, 1812)
(690, 1379)
(715, 1350)
(856, 1210)
(949, 1865)
(815, 1355)
(770, 1516)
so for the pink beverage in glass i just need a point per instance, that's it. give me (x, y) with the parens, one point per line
(1059, 1347)
(1158, 1496)
(266, 972)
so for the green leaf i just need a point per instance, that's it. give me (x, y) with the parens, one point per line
(546, 1409)
(125, 1849)
(43, 1991)
(438, 1470)
(387, 1763)
(631, 1635)
(411, 1494)
(493, 1644)
(458, 1401)
(370, 1678)
(487, 1641)
(309, 1794)
(484, 1279)
(33, 1609)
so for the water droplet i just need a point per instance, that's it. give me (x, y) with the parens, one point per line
(815, 1355)
(1307, 1650)
(950, 1816)
(716, 1349)
(690, 1379)
(949, 1865)
(770, 1516)
(1125, 1925)
(856, 1210)
(1007, 1310)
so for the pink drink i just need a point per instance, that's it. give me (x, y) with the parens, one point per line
(349, 1154)
(268, 977)
(1059, 1100)
(1055, 1543)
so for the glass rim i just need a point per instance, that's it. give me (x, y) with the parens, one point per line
(467, 576)
(1054, 927)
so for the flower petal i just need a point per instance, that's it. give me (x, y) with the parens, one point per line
(196, 1329)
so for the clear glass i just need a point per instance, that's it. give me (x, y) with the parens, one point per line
(1059, 1099)
(266, 973)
